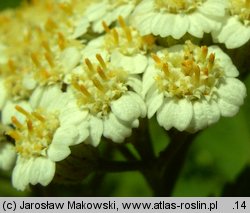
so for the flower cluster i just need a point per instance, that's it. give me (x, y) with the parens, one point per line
(235, 31)
(74, 71)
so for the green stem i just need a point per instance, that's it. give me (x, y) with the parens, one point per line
(142, 142)
(171, 161)
(126, 152)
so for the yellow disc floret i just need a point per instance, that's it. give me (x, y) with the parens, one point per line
(241, 8)
(33, 137)
(126, 39)
(101, 84)
(191, 73)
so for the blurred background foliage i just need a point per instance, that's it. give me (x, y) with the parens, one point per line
(9, 4)
(218, 162)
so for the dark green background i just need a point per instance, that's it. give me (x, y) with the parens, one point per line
(9, 3)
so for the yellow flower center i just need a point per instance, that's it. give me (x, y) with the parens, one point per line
(46, 62)
(241, 8)
(46, 71)
(126, 39)
(101, 84)
(178, 6)
(33, 137)
(15, 74)
(189, 73)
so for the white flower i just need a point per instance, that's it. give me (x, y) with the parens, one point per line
(176, 18)
(125, 45)
(111, 96)
(54, 65)
(190, 87)
(108, 11)
(44, 129)
(69, 17)
(15, 84)
(55, 16)
(7, 155)
(236, 31)
(46, 50)
(3, 93)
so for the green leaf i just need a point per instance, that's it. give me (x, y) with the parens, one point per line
(218, 155)
(7, 189)
(158, 135)
(125, 184)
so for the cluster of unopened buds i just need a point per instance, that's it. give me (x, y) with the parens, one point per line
(77, 71)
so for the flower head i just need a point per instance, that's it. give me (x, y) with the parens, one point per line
(44, 129)
(236, 30)
(108, 93)
(190, 87)
(42, 53)
(124, 44)
(126, 39)
(16, 82)
(176, 18)
(108, 11)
